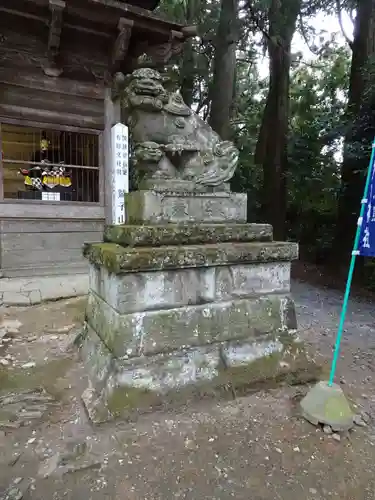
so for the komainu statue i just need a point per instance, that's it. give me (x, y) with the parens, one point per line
(170, 140)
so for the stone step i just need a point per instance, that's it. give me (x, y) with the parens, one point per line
(117, 259)
(185, 234)
(170, 288)
(163, 330)
(125, 388)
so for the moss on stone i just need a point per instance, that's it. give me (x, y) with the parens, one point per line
(286, 367)
(270, 371)
(266, 373)
(114, 331)
(108, 255)
(169, 329)
(256, 371)
(118, 259)
(186, 234)
(134, 205)
(125, 400)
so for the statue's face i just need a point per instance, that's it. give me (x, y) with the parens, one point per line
(148, 151)
(147, 82)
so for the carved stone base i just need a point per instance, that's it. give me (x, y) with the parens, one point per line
(180, 186)
(192, 234)
(125, 387)
(155, 207)
(178, 311)
(147, 314)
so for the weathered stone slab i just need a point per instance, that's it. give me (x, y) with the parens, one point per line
(144, 291)
(180, 186)
(151, 332)
(137, 385)
(147, 382)
(163, 372)
(242, 353)
(119, 259)
(98, 359)
(158, 372)
(186, 234)
(33, 290)
(267, 362)
(160, 208)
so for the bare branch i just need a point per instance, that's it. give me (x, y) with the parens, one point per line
(339, 16)
(257, 22)
(304, 36)
(204, 102)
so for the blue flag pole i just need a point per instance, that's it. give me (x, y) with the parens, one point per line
(355, 252)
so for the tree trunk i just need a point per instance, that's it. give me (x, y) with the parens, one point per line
(187, 81)
(224, 69)
(358, 136)
(271, 149)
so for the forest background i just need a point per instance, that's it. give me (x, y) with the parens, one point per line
(292, 83)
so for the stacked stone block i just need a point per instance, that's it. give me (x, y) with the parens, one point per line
(187, 300)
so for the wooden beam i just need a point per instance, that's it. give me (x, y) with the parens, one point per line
(106, 13)
(189, 31)
(52, 117)
(157, 55)
(117, 84)
(45, 21)
(63, 128)
(119, 6)
(22, 209)
(57, 8)
(121, 45)
(63, 86)
(60, 104)
(26, 15)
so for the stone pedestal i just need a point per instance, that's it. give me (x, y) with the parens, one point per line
(186, 300)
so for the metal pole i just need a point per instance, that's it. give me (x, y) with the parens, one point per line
(351, 269)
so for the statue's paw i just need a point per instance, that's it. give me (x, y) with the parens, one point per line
(187, 177)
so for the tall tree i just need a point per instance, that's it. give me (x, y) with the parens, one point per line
(224, 69)
(271, 150)
(187, 80)
(361, 126)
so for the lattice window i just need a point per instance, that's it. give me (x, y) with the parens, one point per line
(49, 165)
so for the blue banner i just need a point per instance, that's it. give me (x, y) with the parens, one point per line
(367, 235)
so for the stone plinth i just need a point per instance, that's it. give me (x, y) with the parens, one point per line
(182, 310)
(156, 207)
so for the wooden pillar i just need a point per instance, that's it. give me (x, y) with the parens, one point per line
(112, 115)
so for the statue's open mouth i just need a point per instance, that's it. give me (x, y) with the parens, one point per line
(152, 156)
(148, 88)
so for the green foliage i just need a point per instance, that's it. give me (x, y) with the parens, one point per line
(318, 115)
(318, 102)
(251, 93)
(317, 107)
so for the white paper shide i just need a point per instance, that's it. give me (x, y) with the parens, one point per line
(120, 171)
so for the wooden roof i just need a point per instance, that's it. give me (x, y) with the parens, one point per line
(99, 15)
(104, 36)
(143, 4)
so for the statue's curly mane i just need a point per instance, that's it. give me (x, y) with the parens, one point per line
(186, 141)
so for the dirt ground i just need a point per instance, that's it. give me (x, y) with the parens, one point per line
(256, 447)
